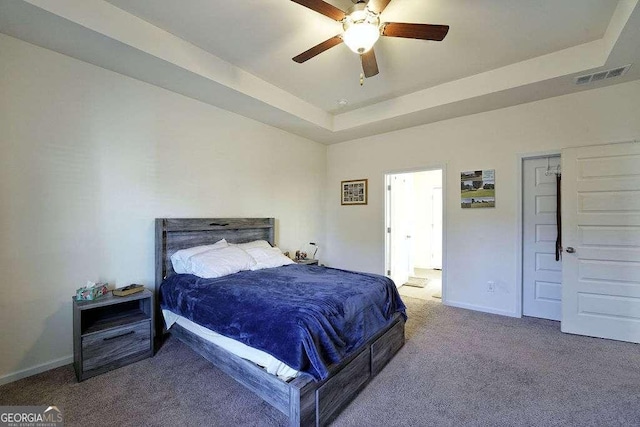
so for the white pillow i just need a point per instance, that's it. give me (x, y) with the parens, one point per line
(180, 259)
(268, 258)
(254, 244)
(219, 262)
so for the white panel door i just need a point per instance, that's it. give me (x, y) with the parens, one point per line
(601, 236)
(541, 273)
(400, 213)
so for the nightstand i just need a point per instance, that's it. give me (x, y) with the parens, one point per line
(111, 332)
(307, 261)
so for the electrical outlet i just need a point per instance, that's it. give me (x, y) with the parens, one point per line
(491, 286)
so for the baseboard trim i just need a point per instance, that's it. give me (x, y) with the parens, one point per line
(480, 308)
(24, 373)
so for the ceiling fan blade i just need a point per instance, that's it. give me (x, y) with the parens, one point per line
(322, 7)
(378, 6)
(318, 49)
(369, 63)
(415, 31)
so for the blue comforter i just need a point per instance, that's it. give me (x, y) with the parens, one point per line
(308, 317)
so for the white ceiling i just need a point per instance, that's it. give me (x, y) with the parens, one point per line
(237, 55)
(262, 36)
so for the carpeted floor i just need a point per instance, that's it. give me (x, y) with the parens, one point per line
(457, 368)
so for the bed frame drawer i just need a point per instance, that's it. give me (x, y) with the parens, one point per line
(340, 389)
(383, 349)
(115, 346)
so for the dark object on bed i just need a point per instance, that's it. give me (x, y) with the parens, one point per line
(307, 317)
(305, 400)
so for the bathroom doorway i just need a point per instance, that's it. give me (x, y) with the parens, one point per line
(414, 232)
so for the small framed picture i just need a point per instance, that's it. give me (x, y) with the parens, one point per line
(354, 192)
(478, 189)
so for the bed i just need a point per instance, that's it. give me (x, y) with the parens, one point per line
(304, 399)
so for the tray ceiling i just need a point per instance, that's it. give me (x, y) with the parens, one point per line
(261, 37)
(237, 55)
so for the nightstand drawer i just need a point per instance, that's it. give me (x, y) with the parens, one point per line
(113, 345)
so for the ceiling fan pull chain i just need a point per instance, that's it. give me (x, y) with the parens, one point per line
(361, 79)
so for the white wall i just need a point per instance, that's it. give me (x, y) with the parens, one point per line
(481, 243)
(90, 158)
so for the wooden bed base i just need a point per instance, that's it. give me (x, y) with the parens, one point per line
(304, 400)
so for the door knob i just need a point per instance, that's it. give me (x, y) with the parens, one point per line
(570, 250)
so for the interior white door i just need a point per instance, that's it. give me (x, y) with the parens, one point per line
(436, 233)
(399, 234)
(601, 237)
(541, 273)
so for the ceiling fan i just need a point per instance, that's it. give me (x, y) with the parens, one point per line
(362, 28)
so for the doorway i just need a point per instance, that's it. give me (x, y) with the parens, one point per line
(414, 232)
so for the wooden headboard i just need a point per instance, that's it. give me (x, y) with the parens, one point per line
(173, 234)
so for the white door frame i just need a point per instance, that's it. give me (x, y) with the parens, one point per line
(442, 167)
(521, 157)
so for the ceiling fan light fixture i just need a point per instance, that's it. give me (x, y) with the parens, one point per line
(361, 29)
(360, 38)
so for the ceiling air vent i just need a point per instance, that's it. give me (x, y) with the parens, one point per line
(617, 72)
(602, 75)
(583, 80)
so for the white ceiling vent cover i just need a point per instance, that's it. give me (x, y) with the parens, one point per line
(602, 75)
